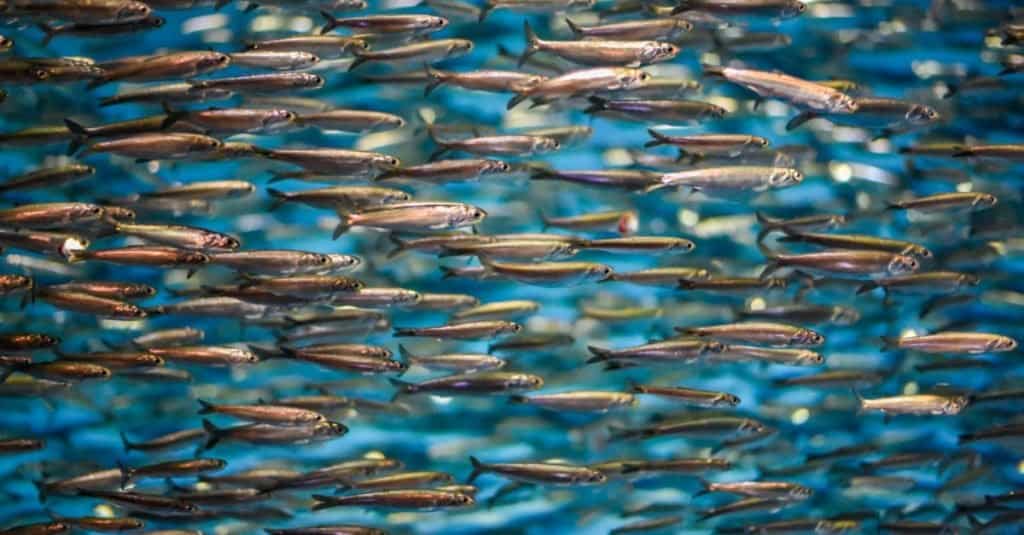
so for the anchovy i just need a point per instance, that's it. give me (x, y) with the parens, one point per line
(654, 352)
(801, 93)
(378, 24)
(413, 217)
(262, 83)
(540, 473)
(482, 80)
(689, 396)
(271, 414)
(454, 362)
(283, 60)
(601, 51)
(164, 67)
(582, 82)
(933, 404)
(942, 202)
(533, 6)
(482, 383)
(352, 121)
(447, 171)
(323, 46)
(661, 111)
(862, 263)
(777, 334)
(730, 179)
(424, 52)
(396, 499)
(956, 342)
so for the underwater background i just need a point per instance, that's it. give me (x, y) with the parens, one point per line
(849, 467)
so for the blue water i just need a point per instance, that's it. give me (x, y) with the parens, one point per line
(881, 46)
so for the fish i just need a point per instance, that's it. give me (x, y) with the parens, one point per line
(175, 65)
(48, 177)
(261, 84)
(955, 342)
(271, 414)
(385, 24)
(396, 499)
(772, 334)
(582, 82)
(142, 255)
(601, 51)
(861, 263)
(453, 362)
(285, 60)
(540, 473)
(689, 396)
(714, 426)
(498, 145)
(624, 221)
(858, 242)
(206, 355)
(796, 91)
(168, 441)
(656, 29)
(532, 6)
(683, 350)
(479, 329)
(413, 217)
(658, 111)
(730, 179)
(627, 179)
(919, 404)
(271, 434)
(580, 400)
(444, 171)
(341, 196)
(172, 92)
(350, 121)
(424, 52)
(481, 383)
(183, 468)
(943, 202)
(322, 46)
(92, 11)
(490, 80)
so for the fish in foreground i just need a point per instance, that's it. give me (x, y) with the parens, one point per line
(417, 499)
(272, 434)
(581, 400)
(539, 473)
(667, 351)
(453, 362)
(942, 202)
(413, 217)
(861, 263)
(775, 334)
(600, 51)
(270, 414)
(483, 383)
(730, 179)
(550, 273)
(582, 82)
(799, 92)
(467, 330)
(918, 404)
(714, 427)
(689, 396)
(947, 342)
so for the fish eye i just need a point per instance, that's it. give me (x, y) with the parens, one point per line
(440, 22)
(159, 21)
(644, 76)
(40, 74)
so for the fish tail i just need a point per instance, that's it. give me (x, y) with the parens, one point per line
(533, 44)
(341, 228)
(449, 273)
(79, 135)
(963, 152)
(766, 221)
(400, 246)
(205, 407)
(484, 11)
(360, 59)
(867, 287)
(517, 399)
(437, 78)
(126, 474)
(769, 268)
(41, 493)
(279, 196)
(404, 387)
(596, 104)
(516, 100)
(658, 139)
(709, 71)
(576, 30)
(323, 502)
(889, 343)
(330, 22)
(478, 468)
(48, 33)
(213, 434)
(128, 445)
(402, 331)
(655, 187)
(800, 119)
(173, 116)
(951, 90)
(600, 354)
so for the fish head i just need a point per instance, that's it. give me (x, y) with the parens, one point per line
(968, 279)
(712, 346)
(628, 223)
(277, 118)
(225, 242)
(903, 264)
(683, 245)
(459, 499)
(918, 250)
(836, 221)
(785, 176)
(654, 51)
(132, 10)
(156, 22)
(462, 45)
(5, 43)
(87, 211)
(726, 399)
(545, 144)
(129, 310)
(345, 5)
(392, 122)
(39, 74)
(921, 114)
(345, 284)
(600, 272)
(213, 60)
(759, 142)
(1003, 343)
(631, 78)
(801, 492)
(954, 404)
(593, 477)
(712, 111)
(337, 260)
(433, 23)
(385, 161)
(986, 199)
(808, 337)
(793, 8)
(845, 315)
(495, 167)
(586, 4)
(474, 214)
(810, 358)
(532, 382)
(310, 81)
(192, 258)
(751, 426)
(841, 103)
